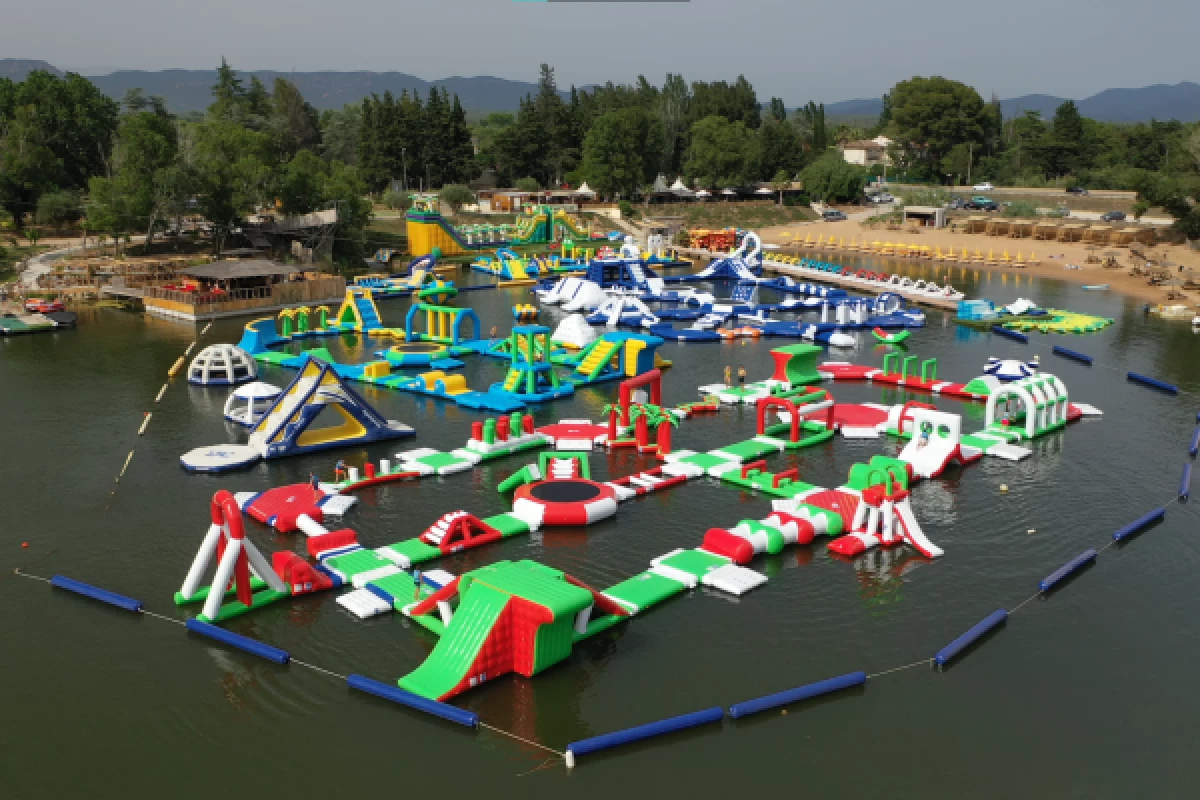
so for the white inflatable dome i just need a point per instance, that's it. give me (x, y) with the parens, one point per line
(221, 365)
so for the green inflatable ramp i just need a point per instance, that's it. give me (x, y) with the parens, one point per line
(450, 662)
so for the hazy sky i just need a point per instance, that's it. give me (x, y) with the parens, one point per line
(796, 49)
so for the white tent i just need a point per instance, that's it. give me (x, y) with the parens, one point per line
(703, 193)
(585, 190)
(678, 188)
(729, 192)
(763, 190)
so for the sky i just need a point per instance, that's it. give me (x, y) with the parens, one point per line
(799, 50)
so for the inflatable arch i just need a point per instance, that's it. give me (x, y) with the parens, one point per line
(1043, 399)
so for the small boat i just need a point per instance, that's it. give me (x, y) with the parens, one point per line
(1096, 287)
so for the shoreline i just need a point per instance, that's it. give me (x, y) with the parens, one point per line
(1053, 257)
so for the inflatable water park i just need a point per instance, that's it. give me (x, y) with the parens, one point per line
(266, 540)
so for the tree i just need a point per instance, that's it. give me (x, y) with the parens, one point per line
(777, 110)
(455, 195)
(58, 207)
(300, 186)
(623, 151)
(832, 180)
(528, 184)
(54, 133)
(1179, 195)
(721, 153)
(231, 165)
(293, 123)
(811, 121)
(735, 102)
(1193, 146)
(781, 183)
(779, 148)
(228, 94)
(345, 190)
(929, 116)
(673, 102)
(341, 132)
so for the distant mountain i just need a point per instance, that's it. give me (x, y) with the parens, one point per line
(17, 68)
(191, 90)
(1181, 102)
(1161, 101)
(855, 108)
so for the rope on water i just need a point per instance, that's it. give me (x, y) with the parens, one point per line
(529, 742)
(925, 662)
(328, 672)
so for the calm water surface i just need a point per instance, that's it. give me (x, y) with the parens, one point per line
(1090, 693)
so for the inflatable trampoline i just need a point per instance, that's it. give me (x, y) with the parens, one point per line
(415, 354)
(570, 502)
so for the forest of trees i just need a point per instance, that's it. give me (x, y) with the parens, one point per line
(67, 151)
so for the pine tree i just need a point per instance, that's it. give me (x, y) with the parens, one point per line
(228, 93)
(462, 150)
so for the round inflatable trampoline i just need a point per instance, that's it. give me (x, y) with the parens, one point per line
(571, 502)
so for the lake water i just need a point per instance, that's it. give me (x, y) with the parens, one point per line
(1089, 693)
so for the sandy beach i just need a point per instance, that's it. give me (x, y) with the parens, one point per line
(1053, 257)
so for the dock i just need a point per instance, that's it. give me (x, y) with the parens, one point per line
(835, 280)
(944, 303)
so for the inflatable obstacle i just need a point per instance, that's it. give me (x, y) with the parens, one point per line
(287, 427)
(253, 581)
(358, 311)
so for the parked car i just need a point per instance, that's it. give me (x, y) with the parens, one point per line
(985, 187)
(957, 203)
(832, 215)
(1061, 211)
(1076, 190)
(1113, 216)
(982, 204)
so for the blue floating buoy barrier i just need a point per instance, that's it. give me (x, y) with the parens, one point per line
(952, 650)
(1153, 383)
(1014, 335)
(1139, 524)
(1185, 485)
(251, 646)
(416, 701)
(1067, 570)
(663, 726)
(1074, 354)
(96, 593)
(806, 692)
(1195, 446)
